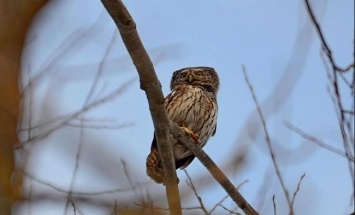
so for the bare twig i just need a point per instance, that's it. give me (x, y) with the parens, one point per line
(152, 207)
(152, 87)
(114, 212)
(86, 102)
(334, 80)
(92, 126)
(316, 141)
(298, 189)
(90, 106)
(192, 186)
(215, 171)
(78, 193)
(217, 204)
(274, 204)
(74, 209)
(29, 199)
(126, 173)
(225, 197)
(326, 48)
(230, 211)
(268, 140)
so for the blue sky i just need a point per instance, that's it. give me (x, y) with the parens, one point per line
(281, 53)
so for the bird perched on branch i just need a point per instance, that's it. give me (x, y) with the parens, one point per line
(192, 104)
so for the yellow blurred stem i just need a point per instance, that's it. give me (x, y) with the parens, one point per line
(15, 18)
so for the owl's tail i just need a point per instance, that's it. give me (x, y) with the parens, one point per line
(154, 168)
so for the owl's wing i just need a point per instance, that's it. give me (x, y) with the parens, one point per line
(214, 131)
(183, 163)
(154, 144)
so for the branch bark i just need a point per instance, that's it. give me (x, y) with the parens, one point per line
(152, 87)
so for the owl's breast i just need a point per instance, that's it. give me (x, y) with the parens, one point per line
(193, 108)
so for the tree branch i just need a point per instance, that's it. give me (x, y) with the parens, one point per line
(215, 171)
(326, 48)
(151, 85)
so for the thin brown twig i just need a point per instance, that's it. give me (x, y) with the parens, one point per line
(29, 199)
(230, 211)
(274, 204)
(217, 204)
(298, 189)
(126, 173)
(268, 140)
(115, 208)
(72, 203)
(92, 126)
(326, 48)
(316, 141)
(192, 186)
(149, 206)
(78, 193)
(225, 197)
(152, 87)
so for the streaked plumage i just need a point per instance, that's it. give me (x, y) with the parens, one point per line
(192, 104)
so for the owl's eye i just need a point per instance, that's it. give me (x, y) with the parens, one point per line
(183, 75)
(199, 74)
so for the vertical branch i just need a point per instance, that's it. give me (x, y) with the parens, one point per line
(15, 19)
(334, 80)
(151, 85)
(268, 140)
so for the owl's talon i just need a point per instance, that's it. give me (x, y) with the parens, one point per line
(192, 134)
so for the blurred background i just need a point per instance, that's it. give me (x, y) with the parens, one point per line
(86, 129)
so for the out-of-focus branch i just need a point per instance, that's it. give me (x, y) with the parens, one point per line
(268, 140)
(215, 171)
(152, 87)
(317, 141)
(15, 19)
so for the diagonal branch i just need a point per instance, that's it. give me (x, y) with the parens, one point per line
(215, 171)
(152, 87)
(268, 140)
(317, 141)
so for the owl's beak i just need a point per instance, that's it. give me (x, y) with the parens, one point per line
(190, 78)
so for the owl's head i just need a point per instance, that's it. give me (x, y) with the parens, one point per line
(204, 77)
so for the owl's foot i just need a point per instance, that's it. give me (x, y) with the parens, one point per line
(192, 134)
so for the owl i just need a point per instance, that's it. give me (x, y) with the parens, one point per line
(192, 104)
